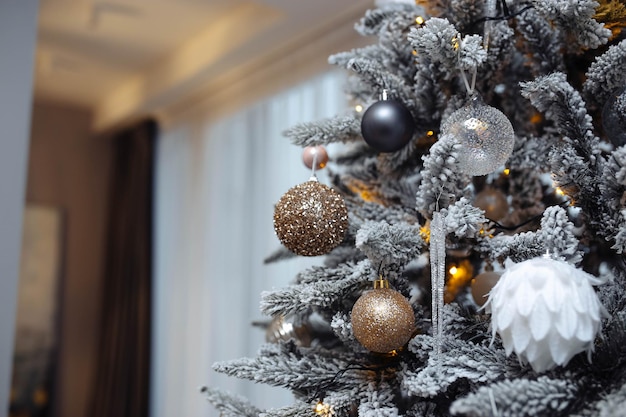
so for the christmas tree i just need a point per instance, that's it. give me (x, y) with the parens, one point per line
(475, 228)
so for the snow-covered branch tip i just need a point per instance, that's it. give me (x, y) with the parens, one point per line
(575, 19)
(228, 404)
(563, 105)
(606, 74)
(542, 397)
(392, 246)
(344, 128)
(441, 184)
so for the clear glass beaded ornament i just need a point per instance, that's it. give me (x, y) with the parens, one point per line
(485, 134)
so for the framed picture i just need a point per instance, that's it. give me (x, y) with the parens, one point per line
(36, 329)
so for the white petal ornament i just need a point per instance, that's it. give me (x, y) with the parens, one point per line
(546, 311)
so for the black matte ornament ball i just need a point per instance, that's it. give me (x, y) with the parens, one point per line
(387, 126)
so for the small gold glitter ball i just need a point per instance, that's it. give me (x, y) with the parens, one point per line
(311, 219)
(383, 320)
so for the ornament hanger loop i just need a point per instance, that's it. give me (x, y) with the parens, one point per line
(314, 166)
(469, 87)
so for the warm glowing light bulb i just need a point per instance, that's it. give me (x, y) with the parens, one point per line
(321, 409)
(430, 133)
(425, 233)
(506, 171)
(559, 191)
(454, 270)
(455, 43)
(419, 20)
(358, 108)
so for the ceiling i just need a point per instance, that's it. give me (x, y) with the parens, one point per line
(123, 57)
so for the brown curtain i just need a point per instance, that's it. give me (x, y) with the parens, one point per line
(122, 384)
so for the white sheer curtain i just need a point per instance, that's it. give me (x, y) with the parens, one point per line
(216, 184)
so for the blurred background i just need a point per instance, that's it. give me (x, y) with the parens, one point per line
(141, 158)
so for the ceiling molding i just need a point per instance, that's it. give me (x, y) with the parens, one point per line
(201, 79)
(199, 57)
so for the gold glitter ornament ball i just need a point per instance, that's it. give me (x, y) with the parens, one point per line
(311, 219)
(382, 320)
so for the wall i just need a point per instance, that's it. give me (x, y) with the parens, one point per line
(69, 168)
(18, 20)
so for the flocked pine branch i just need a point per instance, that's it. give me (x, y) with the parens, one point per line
(229, 404)
(371, 211)
(556, 236)
(321, 295)
(345, 128)
(390, 246)
(531, 153)
(393, 50)
(295, 410)
(378, 402)
(542, 41)
(463, 219)
(606, 74)
(564, 106)
(611, 404)
(435, 42)
(576, 21)
(380, 78)
(441, 184)
(376, 21)
(299, 369)
(613, 187)
(521, 398)
(461, 362)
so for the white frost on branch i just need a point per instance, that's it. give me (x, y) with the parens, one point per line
(606, 74)
(378, 402)
(434, 41)
(575, 19)
(564, 106)
(229, 404)
(441, 183)
(557, 235)
(464, 361)
(390, 246)
(519, 397)
(463, 219)
(317, 295)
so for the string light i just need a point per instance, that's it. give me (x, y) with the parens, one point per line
(506, 171)
(425, 232)
(358, 108)
(536, 118)
(430, 133)
(419, 20)
(321, 408)
(455, 43)
(459, 276)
